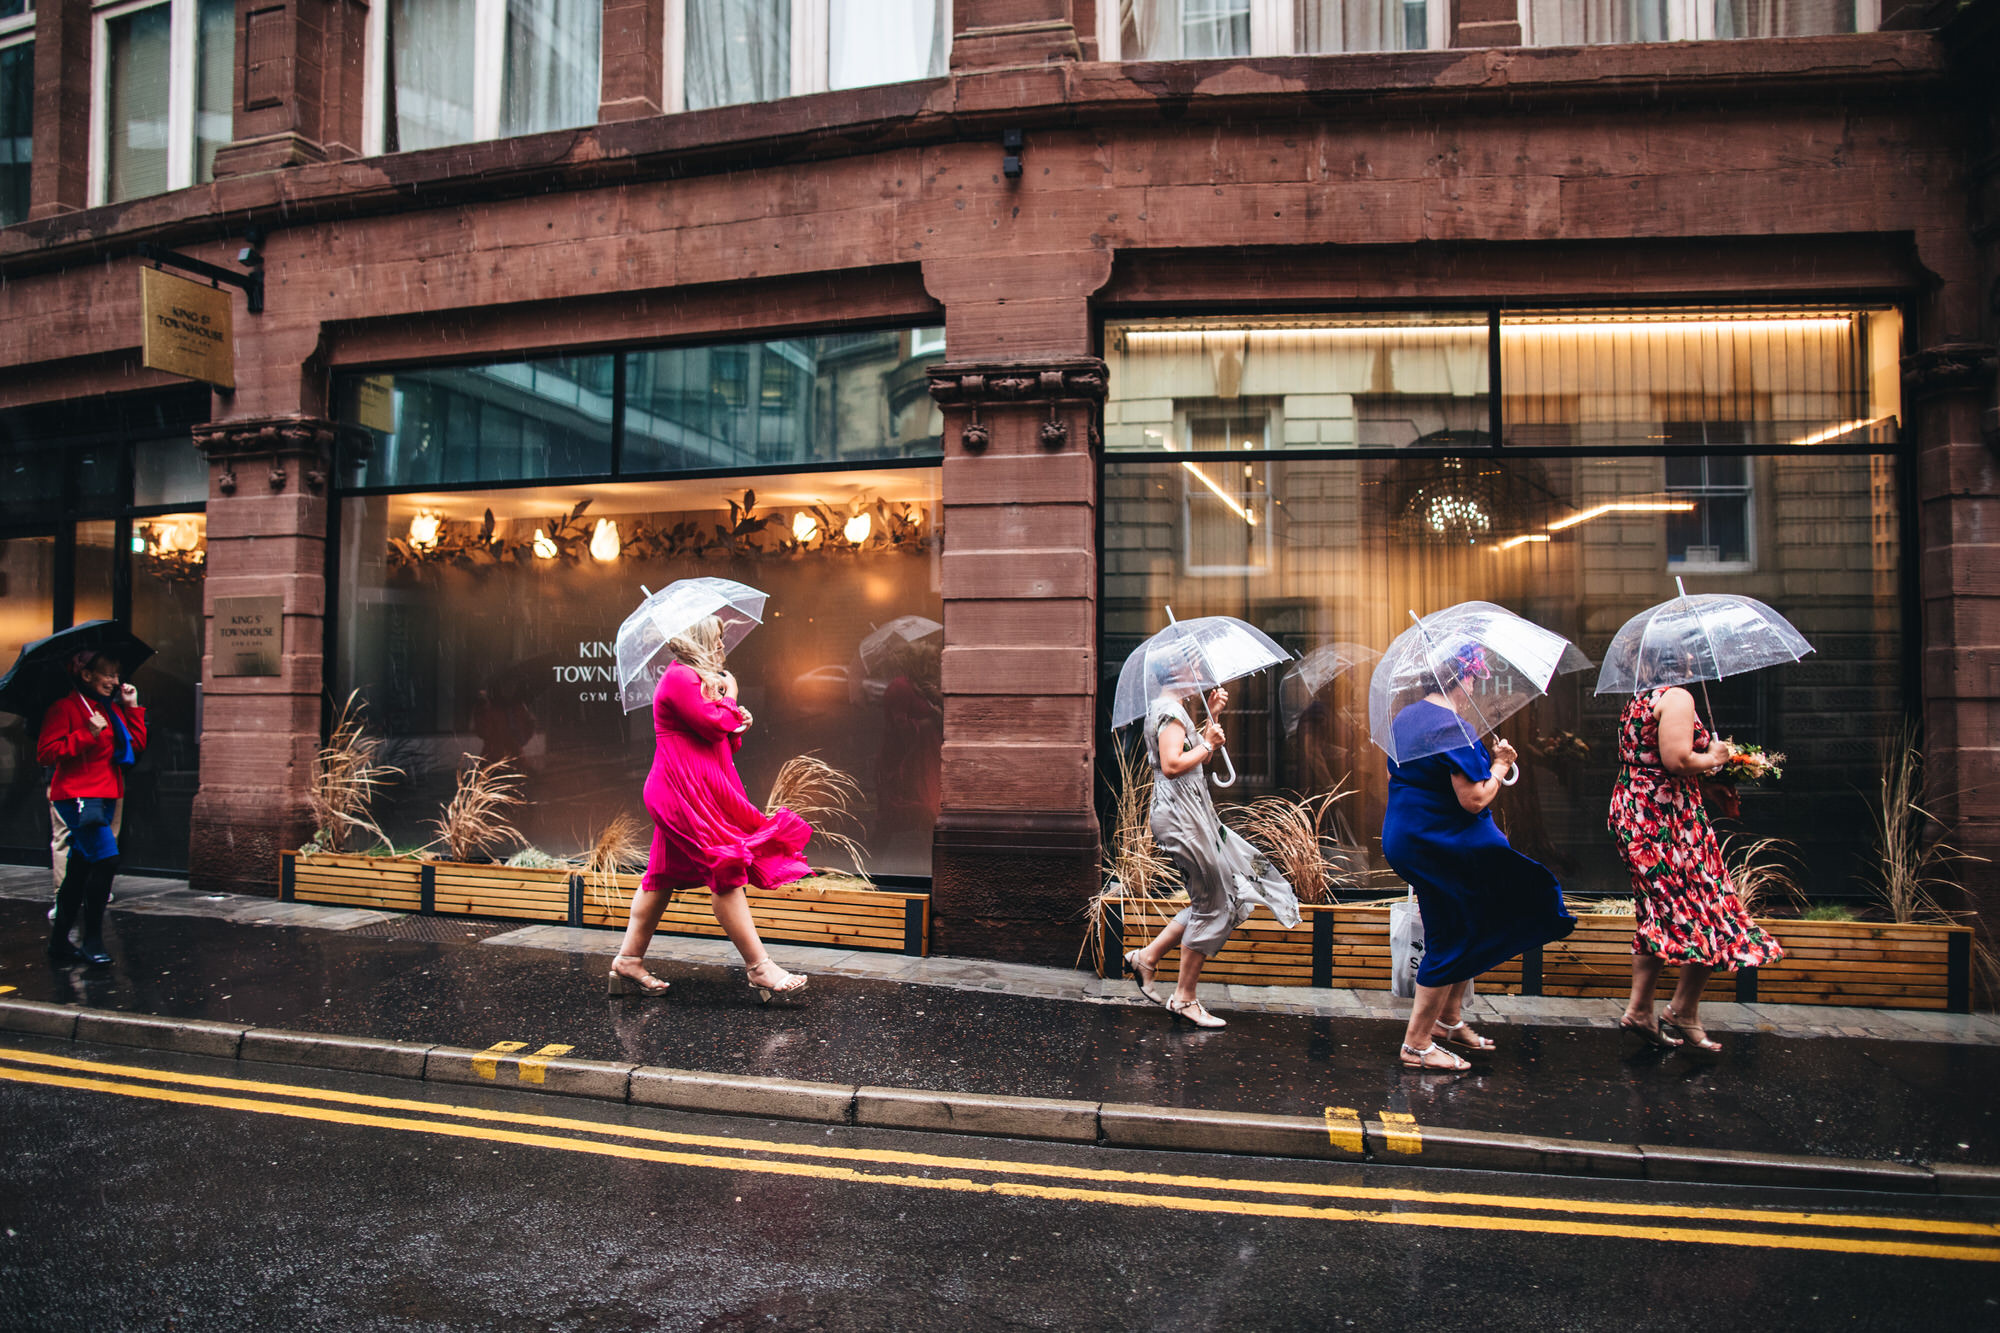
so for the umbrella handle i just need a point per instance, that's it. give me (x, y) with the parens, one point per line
(1230, 781)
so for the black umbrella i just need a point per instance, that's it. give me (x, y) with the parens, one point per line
(40, 675)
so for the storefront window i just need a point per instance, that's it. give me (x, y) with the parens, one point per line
(169, 555)
(1740, 450)
(1370, 381)
(482, 623)
(27, 612)
(838, 398)
(1695, 377)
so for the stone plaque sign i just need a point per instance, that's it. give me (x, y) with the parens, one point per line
(187, 328)
(249, 635)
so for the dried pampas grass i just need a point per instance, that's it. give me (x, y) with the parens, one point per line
(620, 848)
(345, 780)
(1916, 866)
(1139, 877)
(1292, 833)
(475, 820)
(1761, 871)
(825, 798)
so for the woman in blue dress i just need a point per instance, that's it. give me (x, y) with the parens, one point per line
(1481, 901)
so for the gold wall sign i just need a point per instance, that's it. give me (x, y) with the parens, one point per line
(187, 328)
(248, 635)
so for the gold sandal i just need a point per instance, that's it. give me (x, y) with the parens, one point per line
(1693, 1033)
(644, 984)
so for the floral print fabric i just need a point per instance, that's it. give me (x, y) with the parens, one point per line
(1687, 908)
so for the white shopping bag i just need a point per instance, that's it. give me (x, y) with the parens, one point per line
(1406, 947)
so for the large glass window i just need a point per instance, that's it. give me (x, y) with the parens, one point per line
(168, 554)
(17, 108)
(1361, 25)
(737, 51)
(809, 400)
(166, 101)
(460, 70)
(755, 50)
(1183, 29)
(1589, 22)
(1365, 381)
(482, 623)
(27, 612)
(1249, 473)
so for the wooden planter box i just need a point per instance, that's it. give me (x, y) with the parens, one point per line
(832, 918)
(1870, 964)
(836, 918)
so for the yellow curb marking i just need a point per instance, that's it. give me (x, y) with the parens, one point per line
(1018, 1189)
(1399, 1139)
(6, 990)
(1343, 1128)
(535, 1068)
(487, 1063)
(1311, 1189)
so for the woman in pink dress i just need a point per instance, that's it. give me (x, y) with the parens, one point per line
(706, 830)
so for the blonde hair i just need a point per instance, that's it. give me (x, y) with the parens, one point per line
(699, 647)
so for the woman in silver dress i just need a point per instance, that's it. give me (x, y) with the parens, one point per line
(1226, 877)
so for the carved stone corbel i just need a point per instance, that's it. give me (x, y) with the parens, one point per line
(973, 387)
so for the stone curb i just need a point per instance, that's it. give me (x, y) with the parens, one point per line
(1333, 1137)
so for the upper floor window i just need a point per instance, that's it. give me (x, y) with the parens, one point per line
(1198, 29)
(724, 52)
(163, 96)
(452, 71)
(1594, 22)
(17, 107)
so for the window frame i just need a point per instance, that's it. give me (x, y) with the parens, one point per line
(811, 58)
(181, 93)
(20, 31)
(1272, 25)
(1694, 21)
(1708, 491)
(489, 53)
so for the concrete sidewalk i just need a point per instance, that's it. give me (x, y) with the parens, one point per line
(174, 898)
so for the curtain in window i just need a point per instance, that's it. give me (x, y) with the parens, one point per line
(553, 51)
(17, 129)
(737, 51)
(1183, 29)
(215, 77)
(887, 41)
(136, 96)
(1328, 26)
(1596, 22)
(431, 74)
(1782, 18)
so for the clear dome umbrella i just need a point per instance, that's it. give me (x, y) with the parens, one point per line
(1699, 636)
(1190, 657)
(1502, 662)
(642, 652)
(875, 648)
(1314, 671)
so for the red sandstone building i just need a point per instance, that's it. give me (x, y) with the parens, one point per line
(1026, 317)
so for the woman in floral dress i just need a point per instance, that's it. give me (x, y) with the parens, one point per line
(1688, 912)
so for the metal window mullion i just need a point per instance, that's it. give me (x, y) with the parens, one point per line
(100, 109)
(180, 93)
(489, 66)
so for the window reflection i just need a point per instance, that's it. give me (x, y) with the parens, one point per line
(1578, 544)
(494, 637)
(27, 612)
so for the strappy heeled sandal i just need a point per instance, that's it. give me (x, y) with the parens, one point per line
(1192, 1011)
(1650, 1031)
(644, 984)
(788, 981)
(1145, 975)
(1421, 1059)
(1461, 1034)
(1693, 1033)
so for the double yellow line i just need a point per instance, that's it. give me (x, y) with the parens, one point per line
(1843, 1233)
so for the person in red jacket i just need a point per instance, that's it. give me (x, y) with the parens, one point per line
(88, 737)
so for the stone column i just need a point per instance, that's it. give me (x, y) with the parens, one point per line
(1485, 23)
(989, 34)
(267, 524)
(1016, 850)
(1949, 389)
(632, 83)
(59, 180)
(300, 68)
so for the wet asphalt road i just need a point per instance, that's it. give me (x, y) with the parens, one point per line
(1878, 1099)
(127, 1213)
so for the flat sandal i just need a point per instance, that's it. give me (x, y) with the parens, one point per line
(1463, 1035)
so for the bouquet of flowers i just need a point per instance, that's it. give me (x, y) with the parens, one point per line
(1752, 763)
